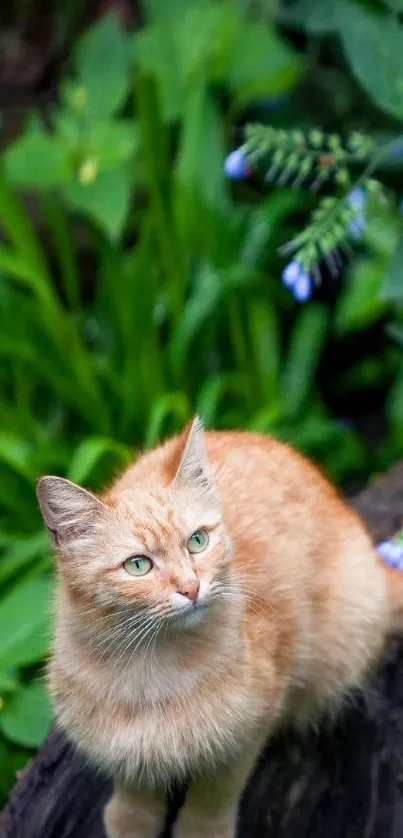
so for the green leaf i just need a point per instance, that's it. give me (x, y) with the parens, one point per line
(170, 406)
(156, 53)
(199, 307)
(15, 453)
(213, 393)
(105, 200)
(111, 143)
(90, 452)
(360, 304)
(26, 716)
(265, 340)
(373, 44)
(316, 16)
(307, 340)
(394, 5)
(25, 623)
(22, 554)
(102, 61)
(199, 169)
(37, 161)
(9, 682)
(262, 64)
(392, 289)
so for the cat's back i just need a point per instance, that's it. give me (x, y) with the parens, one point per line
(257, 473)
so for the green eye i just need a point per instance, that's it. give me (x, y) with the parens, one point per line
(138, 565)
(198, 541)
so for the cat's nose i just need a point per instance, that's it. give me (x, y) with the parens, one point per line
(190, 588)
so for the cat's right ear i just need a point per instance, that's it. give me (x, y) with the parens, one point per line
(68, 511)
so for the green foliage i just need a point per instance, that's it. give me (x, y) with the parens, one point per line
(147, 288)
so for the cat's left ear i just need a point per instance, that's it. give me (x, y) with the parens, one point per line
(193, 470)
(68, 510)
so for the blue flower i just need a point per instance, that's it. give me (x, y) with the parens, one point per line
(291, 274)
(391, 553)
(357, 226)
(236, 165)
(357, 200)
(397, 150)
(298, 281)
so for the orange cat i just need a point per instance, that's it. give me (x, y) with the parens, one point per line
(219, 589)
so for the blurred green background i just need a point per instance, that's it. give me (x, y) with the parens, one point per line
(138, 285)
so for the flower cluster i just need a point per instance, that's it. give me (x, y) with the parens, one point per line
(337, 220)
(391, 552)
(318, 242)
(298, 281)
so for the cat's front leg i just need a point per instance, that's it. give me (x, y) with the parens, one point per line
(211, 805)
(134, 813)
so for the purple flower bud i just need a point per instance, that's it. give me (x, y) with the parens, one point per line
(290, 274)
(302, 289)
(236, 165)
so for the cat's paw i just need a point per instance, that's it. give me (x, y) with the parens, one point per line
(125, 819)
(189, 827)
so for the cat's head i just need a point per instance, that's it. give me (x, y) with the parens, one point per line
(156, 543)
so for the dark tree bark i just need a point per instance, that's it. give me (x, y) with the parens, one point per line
(344, 781)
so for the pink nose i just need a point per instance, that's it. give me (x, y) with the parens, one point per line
(190, 588)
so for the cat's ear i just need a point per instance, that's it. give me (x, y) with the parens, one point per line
(68, 511)
(193, 468)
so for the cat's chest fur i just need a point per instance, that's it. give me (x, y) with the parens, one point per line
(164, 720)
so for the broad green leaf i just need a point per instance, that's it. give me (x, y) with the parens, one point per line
(105, 201)
(88, 455)
(392, 288)
(102, 60)
(37, 161)
(360, 304)
(204, 36)
(25, 623)
(307, 339)
(383, 227)
(161, 9)
(26, 716)
(317, 16)
(373, 44)
(9, 682)
(262, 64)
(111, 143)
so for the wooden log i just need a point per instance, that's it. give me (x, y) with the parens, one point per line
(344, 781)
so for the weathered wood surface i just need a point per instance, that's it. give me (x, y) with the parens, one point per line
(344, 782)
